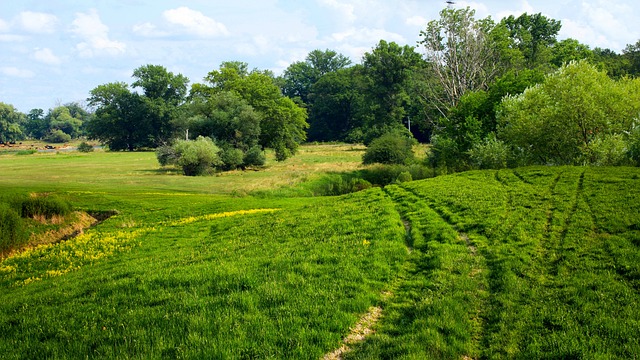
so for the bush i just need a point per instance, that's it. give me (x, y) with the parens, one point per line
(609, 150)
(374, 132)
(57, 136)
(47, 206)
(633, 143)
(390, 148)
(254, 157)
(404, 176)
(198, 156)
(383, 175)
(12, 231)
(231, 158)
(166, 155)
(336, 184)
(489, 154)
(84, 147)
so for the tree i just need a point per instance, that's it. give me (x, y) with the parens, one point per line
(616, 65)
(60, 118)
(283, 122)
(300, 76)
(11, 121)
(338, 102)
(558, 121)
(126, 120)
(164, 93)
(631, 53)
(226, 118)
(387, 70)
(460, 55)
(119, 120)
(533, 35)
(570, 50)
(36, 125)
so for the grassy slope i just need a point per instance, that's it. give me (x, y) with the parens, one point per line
(531, 263)
(528, 263)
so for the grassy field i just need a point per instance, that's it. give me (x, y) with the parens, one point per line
(525, 263)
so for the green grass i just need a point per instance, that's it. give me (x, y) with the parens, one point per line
(528, 263)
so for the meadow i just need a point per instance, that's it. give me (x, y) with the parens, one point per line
(537, 262)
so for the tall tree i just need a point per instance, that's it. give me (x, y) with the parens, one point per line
(60, 118)
(461, 55)
(300, 76)
(338, 102)
(533, 35)
(164, 93)
(119, 118)
(36, 125)
(632, 55)
(388, 69)
(11, 122)
(283, 123)
(568, 50)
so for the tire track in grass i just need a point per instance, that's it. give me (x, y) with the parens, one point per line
(444, 263)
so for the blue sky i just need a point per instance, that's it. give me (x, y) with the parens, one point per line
(56, 51)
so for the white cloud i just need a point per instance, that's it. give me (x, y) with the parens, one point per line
(481, 9)
(46, 56)
(194, 22)
(148, 30)
(37, 23)
(95, 34)
(417, 21)
(525, 7)
(367, 36)
(347, 11)
(11, 38)
(17, 73)
(4, 26)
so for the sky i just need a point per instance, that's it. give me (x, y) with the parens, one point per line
(54, 52)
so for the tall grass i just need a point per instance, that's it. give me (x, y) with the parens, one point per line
(12, 232)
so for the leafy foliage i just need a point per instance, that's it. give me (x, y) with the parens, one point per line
(57, 136)
(390, 148)
(85, 147)
(12, 230)
(125, 120)
(10, 123)
(196, 157)
(558, 121)
(282, 121)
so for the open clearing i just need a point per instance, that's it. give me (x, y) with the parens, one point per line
(528, 263)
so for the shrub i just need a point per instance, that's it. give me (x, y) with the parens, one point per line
(489, 154)
(404, 176)
(383, 175)
(336, 184)
(609, 150)
(12, 230)
(254, 157)
(633, 143)
(27, 152)
(166, 155)
(231, 158)
(390, 148)
(198, 156)
(57, 136)
(47, 206)
(84, 147)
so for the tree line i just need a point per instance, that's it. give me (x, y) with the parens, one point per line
(468, 87)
